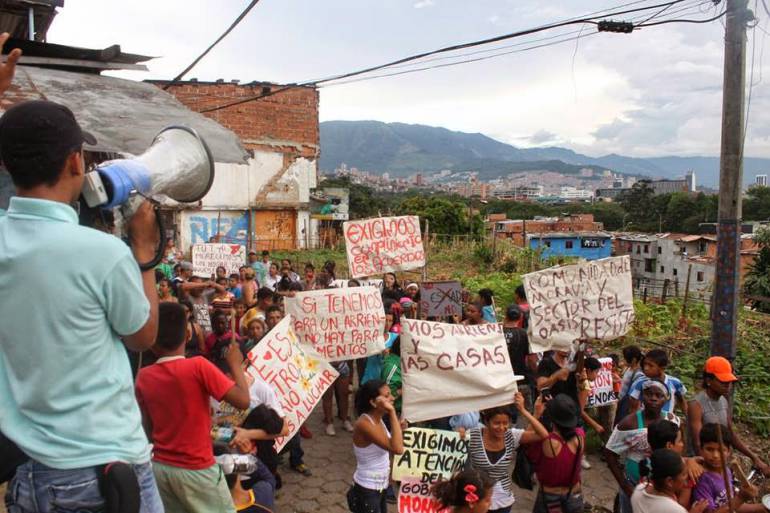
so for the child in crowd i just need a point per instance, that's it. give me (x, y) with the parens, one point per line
(239, 308)
(164, 291)
(221, 334)
(222, 299)
(667, 479)
(710, 406)
(711, 485)
(234, 285)
(664, 434)
(467, 491)
(603, 426)
(264, 301)
(487, 305)
(654, 367)
(173, 395)
(629, 440)
(256, 330)
(632, 357)
(273, 316)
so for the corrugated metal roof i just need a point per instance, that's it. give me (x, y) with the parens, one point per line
(694, 238)
(124, 115)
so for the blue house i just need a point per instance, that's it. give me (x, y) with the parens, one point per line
(588, 245)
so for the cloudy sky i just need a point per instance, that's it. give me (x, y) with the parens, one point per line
(651, 93)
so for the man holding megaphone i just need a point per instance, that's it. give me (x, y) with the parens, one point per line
(71, 298)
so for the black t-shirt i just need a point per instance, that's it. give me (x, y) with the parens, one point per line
(548, 367)
(518, 349)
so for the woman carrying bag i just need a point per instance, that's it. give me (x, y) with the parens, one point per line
(557, 459)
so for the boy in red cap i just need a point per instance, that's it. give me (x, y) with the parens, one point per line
(710, 406)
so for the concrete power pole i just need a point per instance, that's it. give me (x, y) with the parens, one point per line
(725, 316)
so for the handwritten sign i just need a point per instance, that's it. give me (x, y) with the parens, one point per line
(340, 324)
(202, 316)
(591, 300)
(298, 377)
(384, 244)
(430, 454)
(207, 257)
(441, 298)
(602, 390)
(414, 497)
(449, 369)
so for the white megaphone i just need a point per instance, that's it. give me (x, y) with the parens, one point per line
(177, 165)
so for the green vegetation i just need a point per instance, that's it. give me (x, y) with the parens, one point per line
(758, 278)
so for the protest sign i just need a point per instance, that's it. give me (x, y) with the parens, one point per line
(448, 369)
(384, 244)
(602, 390)
(430, 454)
(202, 316)
(590, 300)
(414, 497)
(340, 324)
(441, 298)
(207, 257)
(297, 376)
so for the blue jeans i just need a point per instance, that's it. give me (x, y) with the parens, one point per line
(41, 489)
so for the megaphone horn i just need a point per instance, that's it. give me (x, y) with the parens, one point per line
(178, 164)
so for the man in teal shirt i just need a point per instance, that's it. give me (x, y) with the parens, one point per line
(66, 391)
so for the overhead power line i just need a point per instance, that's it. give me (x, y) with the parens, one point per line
(220, 38)
(590, 18)
(708, 20)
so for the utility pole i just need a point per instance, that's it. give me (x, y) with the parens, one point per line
(724, 321)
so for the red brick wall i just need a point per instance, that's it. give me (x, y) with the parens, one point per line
(289, 116)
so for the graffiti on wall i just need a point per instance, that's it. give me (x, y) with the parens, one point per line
(233, 227)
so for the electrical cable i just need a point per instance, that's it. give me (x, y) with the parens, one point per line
(207, 50)
(541, 28)
(709, 20)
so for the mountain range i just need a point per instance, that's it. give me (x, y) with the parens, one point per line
(403, 149)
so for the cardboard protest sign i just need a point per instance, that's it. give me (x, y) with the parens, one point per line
(207, 257)
(414, 497)
(430, 454)
(297, 376)
(590, 300)
(441, 298)
(448, 369)
(384, 244)
(602, 390)
(340, 324)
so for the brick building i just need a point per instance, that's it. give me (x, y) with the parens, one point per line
(266, 203)
(518, 230)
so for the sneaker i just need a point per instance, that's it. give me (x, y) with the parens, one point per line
(302, 469)
(347, 426)
(305, 432)
(330, 429)
(584, 463)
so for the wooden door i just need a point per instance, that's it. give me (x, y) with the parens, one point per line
(275, 229)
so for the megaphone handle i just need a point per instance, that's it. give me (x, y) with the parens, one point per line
(161, 244)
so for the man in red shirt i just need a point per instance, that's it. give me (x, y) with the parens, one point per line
(173, 395)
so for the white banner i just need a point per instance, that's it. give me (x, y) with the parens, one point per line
(298, 378)
(591, 300)
(207, 257)
(340, 324)
(602, 389)
(449, 369)
(384, 244)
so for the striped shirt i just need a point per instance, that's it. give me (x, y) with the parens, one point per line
(500, 471)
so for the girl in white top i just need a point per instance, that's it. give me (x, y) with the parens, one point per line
(373, 444)
(669, 476)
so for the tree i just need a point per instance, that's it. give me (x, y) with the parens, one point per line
(639, 204)
(446, 217)
(756, 205)
(757, 281)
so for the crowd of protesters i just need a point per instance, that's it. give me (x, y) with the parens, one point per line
(187, 430)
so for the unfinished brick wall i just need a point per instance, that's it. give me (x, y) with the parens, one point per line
(286, 121)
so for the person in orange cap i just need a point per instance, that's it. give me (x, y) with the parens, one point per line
(710, 406)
